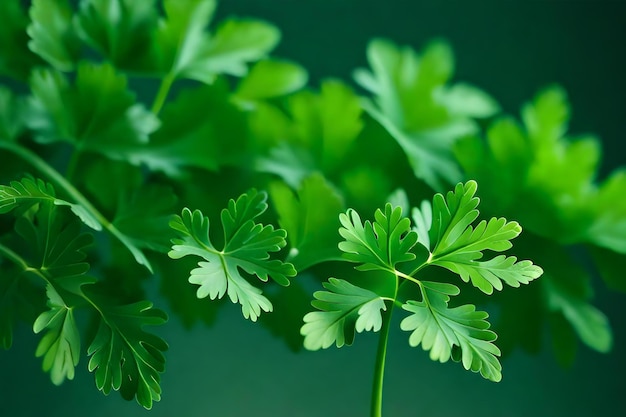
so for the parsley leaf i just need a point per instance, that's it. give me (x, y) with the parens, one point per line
(414, 104)
(304, 216)
(378, 245)
(187, 50)
(125, 357)
(246, 246)
(98, 113)
(52, 33)
(457, 245)
(271, 78)
(439, 329)
(121, 30)
(344, 309)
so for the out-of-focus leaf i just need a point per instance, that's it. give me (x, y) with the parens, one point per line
(121, 30)
(305, 216)
(52, 33)
(413, 102)
(96, 113)
(271, 78)
(16, 60)
(187, 50)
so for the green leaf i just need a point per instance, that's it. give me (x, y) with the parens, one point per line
(144, 216)
(466, 100)
(186, 140)
(189, 52)
(125, 357)
(25, 193)
(247, 247)
(13, 113)
(414, 104)
(52, 33)
(271, 78)
(315, 132)
(305, 217)
(121, 30)
(457, 244)
(443, 331)
(608, 227)
(488, 275)
(16, 60)
(378, 245)
(60, 346)
(345, 308)
(591, 325)
(64, 112)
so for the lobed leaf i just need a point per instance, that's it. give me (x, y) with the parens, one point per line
(378, 245)
(125, 357)
(445, 331)
(247, 247)
(344, 309)
(60, 346)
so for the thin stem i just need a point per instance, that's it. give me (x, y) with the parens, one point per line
(43, 167)
(164, 90)
(64, 184)
(379, 372)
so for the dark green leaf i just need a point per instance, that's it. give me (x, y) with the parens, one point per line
(124, 357)
(311, 236)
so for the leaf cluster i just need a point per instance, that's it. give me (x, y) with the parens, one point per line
(142, 139)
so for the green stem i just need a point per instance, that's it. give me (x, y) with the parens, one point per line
(43, 167)
(164, 90)
(379, 372)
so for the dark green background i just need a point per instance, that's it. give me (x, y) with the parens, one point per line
(509, 48)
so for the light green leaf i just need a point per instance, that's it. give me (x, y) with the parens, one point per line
(182, 34)
(60, 346)
(416, 107)
(466, 100)
(247, 246)
(305, 217)
(457, 244)
(378, 245)
(188, 51)
(125, 357)
(52, 33)
(271, 78)
(121, 30)
(443, 331)
(487, 275)
(344, 309)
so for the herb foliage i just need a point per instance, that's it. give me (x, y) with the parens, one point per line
(101, 179)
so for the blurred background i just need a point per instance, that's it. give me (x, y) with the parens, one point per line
(509, 48)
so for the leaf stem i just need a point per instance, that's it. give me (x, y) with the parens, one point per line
(43, 167)
(164, 89)
(376, 409)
